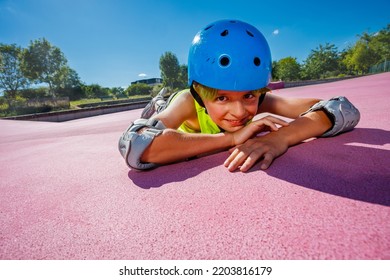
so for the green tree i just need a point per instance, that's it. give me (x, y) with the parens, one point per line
(11, 76)
(44, 63)
(360, 57)
(183, 76)
(370, 49)
(117, 92)
(94, 91)
(138, 89)
(69, 84)
(170, 69)
(321, 62)
(380, 43)
(66, 78)
(275, 70)
(288, 69)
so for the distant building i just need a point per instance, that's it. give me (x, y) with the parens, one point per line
(150, 82)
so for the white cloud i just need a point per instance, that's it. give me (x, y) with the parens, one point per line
(275, 32)
(142, 75)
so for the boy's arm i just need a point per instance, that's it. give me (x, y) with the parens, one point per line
(173, 145)
(342, 114)
(312, 118)
(289, 107)
(142, 132)
(313, 124)
(303, 126)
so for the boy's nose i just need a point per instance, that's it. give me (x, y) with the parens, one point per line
(238, 110)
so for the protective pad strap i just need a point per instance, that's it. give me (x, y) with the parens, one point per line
(342, 113)
(133, 144)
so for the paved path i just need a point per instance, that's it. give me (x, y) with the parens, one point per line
(67, 194)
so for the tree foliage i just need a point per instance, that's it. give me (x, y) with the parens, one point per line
(170, 69)
(117, 92)
(173, 74)
(359, 58)
(287, 69)
(321, 61)
(44, 63)
(183, 76)
(94, 91)
(138, 89)
(379, 42)
(11, 76)
(368, 51)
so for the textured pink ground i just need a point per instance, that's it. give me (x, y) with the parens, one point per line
(67, 194)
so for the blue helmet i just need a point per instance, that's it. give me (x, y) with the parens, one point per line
(230, 55)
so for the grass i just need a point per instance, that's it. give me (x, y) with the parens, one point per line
(73, 104)
(76, 103)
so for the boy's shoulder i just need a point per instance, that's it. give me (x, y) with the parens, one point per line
(181, 96)
(183, 92)
(180, 101)
(181, 108)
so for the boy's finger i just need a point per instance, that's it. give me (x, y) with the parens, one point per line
(249, 162)
(233, 153)
(235, 160)
(273, 120)
(268, 158)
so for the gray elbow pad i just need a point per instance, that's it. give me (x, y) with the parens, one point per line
(342, 113)
(132, 144)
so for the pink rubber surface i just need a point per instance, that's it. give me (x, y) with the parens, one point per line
(67, 194)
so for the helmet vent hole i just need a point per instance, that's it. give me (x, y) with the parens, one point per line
(250, 33)
(224, 61)
(257, 61)
(208, 27)
(225, 33)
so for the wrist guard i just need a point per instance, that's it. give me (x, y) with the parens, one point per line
(340, 111)
(132, 144)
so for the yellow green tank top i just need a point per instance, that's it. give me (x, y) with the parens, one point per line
(205, 122)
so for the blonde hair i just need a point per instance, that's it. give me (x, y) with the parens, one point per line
(210, 93)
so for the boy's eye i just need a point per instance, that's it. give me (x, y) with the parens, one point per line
(221, 98)
(249, 96)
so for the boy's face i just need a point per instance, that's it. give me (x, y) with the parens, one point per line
(232, 110)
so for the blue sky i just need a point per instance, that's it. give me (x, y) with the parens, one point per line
(115, 42)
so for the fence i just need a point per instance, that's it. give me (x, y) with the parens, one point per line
(381, 67)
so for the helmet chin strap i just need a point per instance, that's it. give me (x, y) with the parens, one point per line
(197, 97)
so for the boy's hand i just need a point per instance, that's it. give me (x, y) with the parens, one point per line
(268, 123)
(244, 156)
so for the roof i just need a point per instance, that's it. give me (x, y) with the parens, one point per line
(66, 193)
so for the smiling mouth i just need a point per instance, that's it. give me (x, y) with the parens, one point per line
(237, 122)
